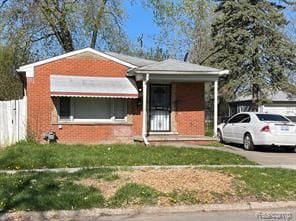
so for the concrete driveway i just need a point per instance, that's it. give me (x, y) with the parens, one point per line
(265, 156)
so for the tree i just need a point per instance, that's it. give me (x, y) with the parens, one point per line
(57, 24)
(249, 41)
(10, 85)
(185, 26)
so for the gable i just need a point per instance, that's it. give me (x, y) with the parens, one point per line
(84, 53)
(88, 55)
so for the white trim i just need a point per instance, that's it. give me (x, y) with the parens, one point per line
(29, 68)
(215, 107)
(94, 96)
(144, 118)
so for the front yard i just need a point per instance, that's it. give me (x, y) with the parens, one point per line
(28, 155)
(109, 188)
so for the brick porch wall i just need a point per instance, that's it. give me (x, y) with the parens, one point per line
(190, 114)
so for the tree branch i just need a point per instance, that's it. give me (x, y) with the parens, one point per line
(43, 37)
(211, 54)
(3, 3)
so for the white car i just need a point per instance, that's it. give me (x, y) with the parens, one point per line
(253, 129)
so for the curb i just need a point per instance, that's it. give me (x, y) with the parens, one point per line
(97, 212)
(76, 169)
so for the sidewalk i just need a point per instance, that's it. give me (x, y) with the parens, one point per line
(97, 213)
(76, 169)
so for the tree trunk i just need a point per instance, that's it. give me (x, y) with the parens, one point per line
(97, 24)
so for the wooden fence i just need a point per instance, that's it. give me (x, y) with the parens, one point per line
(13, 121)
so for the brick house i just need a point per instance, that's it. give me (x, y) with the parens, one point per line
(87, 96)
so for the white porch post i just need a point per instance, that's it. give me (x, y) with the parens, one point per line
(215, 107)
(144, 123)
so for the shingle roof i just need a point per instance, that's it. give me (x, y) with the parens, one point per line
(173, 65)
(139, 62)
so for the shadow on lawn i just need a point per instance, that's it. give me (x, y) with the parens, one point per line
(45, 191)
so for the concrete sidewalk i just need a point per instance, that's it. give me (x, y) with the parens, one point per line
(76, 169)
(97, 213)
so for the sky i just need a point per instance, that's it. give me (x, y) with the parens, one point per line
(140, 21)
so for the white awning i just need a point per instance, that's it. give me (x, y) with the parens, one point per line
(79, 86)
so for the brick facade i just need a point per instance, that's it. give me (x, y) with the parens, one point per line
(41, 109)
(190, 114)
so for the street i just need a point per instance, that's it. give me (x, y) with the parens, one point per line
(251, 215)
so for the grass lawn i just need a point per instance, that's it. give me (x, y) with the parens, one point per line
(47, 191)
(27, 155)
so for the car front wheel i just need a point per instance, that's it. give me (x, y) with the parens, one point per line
(248, 142)
(219, 136)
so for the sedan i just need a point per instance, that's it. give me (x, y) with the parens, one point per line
(258, 129)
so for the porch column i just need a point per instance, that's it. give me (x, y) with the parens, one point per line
(144, 123)
(215, 107)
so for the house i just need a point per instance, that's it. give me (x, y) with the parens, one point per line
(87, 96)
(280, 102)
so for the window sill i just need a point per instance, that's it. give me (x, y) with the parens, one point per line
(92, 123)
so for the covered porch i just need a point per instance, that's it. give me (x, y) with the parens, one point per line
(172, 94)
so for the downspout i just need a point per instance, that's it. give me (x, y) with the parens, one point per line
(144, 124)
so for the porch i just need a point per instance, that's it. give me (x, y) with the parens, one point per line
(172, 94)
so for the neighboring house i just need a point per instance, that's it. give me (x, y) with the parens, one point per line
(280, 103)
(88, 96)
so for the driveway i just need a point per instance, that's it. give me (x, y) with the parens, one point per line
(265, 156)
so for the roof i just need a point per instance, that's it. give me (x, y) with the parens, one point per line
(140, 65)
(29, 68)
(176, 66)
(275, 97)
(77, 86)
(139, 62)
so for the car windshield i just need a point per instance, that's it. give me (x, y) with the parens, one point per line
(271, 117)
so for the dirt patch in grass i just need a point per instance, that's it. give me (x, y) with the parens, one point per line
(166, 181)
(108, 188)
(170, 180)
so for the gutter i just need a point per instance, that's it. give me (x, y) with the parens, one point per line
(144, 126)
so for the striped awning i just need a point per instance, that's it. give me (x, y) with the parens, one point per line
(80, 86)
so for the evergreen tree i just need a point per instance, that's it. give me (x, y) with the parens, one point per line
(249, 41)
(10, 85)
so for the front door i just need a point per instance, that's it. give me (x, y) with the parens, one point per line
(160, 107)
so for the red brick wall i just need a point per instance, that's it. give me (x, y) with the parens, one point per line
(40, 104)
(189, 117)
(190, 114)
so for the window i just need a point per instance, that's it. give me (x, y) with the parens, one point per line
(92, 109)
(240, 118)
(64, 108)
(236, 119)
(246, 119)
(271, 117)
(120, 109)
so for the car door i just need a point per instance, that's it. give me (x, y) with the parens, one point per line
(239, 128)
(228, 135)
